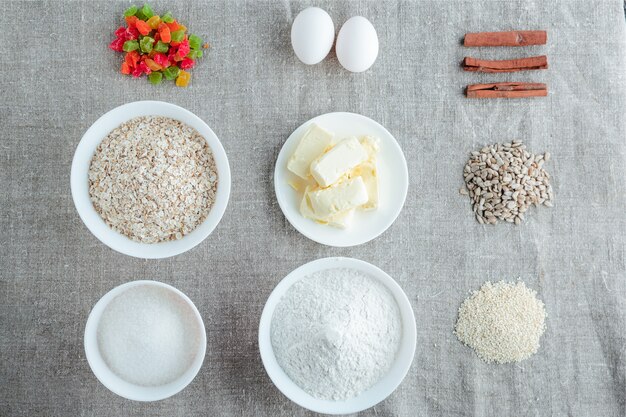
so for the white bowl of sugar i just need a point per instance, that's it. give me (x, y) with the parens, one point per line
(337, 335)
(145, 340)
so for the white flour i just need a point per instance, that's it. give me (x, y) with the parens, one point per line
(336, 333)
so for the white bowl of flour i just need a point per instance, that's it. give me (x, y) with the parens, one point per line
(337, 335)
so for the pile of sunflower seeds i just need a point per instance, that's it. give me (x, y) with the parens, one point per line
(153, 179)
(504, 180)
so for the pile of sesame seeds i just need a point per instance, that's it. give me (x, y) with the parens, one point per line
(504, 180)
(502, 322)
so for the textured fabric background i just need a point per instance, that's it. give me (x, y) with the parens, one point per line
(58, 77)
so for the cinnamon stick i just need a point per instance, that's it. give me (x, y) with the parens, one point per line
(512, 38)
(506, 65)
(507, 90)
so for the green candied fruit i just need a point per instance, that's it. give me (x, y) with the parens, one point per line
(178, 35)
(171, 73)
(194, 54)
(130, 46)
(146, 10)
(155, 77)
(161, 47)
(195, 42)
(167, 18)
(146, 44)
(131, 11)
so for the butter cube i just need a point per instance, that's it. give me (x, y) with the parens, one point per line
(339, 220)
(314, 142)
(346, 195)
(368, 172)
(338, 161)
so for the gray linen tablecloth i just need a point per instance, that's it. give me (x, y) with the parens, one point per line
(58, 77)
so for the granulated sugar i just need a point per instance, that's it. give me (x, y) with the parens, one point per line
(336, 333)
(148, 336)
(502, 322)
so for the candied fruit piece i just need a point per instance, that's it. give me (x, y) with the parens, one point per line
(154, 22)
(161, 59)
(146, 10)
(132, 58)
(130, 46)
(131, 21)
(142, 27)
(187, 63)
(131, 33)
(178, 36)
(195, 42)
(125, 68)
(183, 79)
(117, 44)
(153, 65)
(161, 46)
(171, 73)
(155, 78)
(173, 25)
(131, 11)
(164, 32)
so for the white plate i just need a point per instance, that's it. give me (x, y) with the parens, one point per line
(392, 175)
(80, 184)
(379, 391)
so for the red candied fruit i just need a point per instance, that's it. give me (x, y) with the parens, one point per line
(117, 44)
(120, 32)
(187, 63)
(131, 33)
(161, 59)
(183, 50)
(144, 67)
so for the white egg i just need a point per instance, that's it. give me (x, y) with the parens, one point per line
(312, 35)
(357, 44)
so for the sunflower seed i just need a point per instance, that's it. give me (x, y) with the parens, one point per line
(504, 180)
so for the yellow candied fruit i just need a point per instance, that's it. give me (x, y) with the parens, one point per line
(154, 21)
(183, 79)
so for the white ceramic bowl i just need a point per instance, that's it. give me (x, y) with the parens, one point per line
(393, 180)
(117, 384)
(80, 184)
(383, 388)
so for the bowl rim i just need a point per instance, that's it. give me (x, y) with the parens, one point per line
(79, 184)
(379, 391)
(115, 383)
(302, 225)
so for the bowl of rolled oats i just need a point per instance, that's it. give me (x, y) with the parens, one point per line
(150, 179)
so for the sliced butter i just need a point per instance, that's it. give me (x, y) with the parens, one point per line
(368, 172)
(314, 142)
(339, 220)
(346, 195)
(338, 161)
